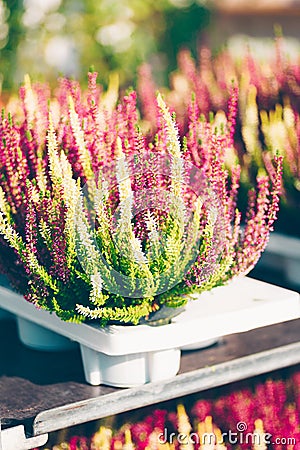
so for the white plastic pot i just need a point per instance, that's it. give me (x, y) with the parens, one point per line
(130, 369)
(126, 356)
(40, 338)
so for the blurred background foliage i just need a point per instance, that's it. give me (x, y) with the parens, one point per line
(46, 38)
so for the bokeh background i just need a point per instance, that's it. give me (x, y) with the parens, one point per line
(48, 38)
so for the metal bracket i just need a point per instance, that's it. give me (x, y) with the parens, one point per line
(15, 439)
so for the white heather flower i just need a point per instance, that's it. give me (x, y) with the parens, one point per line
(83, 310)
(173, 145)
(173, 139)
(213, 215)
(122, 173)
(45, 233)
(177, 176)
(289, 117)
(177, 165)
(153, 252)
(184, 427)
(96, 292)
(71, 193)
(97, 282)
(192, 234)
(138, 253)
(80, 142)
(54, 165)
(126, 201)
(99, 199)
(29, 100)
(198, 208)
(125, 224)
(4, 206)
(41, 177)
(89, 253)
(152, 227)
(105, 190)
(66, 168)
(259, 436)
(8, 232)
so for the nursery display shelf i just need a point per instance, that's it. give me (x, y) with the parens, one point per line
(46, 391)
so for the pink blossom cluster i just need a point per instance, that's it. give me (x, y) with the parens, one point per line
(209, 78)
(269, 102)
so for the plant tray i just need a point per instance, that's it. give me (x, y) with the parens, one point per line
(283, 254)
(126, 356)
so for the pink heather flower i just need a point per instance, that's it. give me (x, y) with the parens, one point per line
(159, 418)
(127, 121)
(290, 425)
(59, 247)
(31, 222)
(140, 433)
(295, 380)
(232, 112)
(79, 443)
(146, 89)
(270, 399)
(14, 169)
(199, 87)
(202, 409)
(172, 420)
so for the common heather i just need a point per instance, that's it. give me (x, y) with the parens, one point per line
(108, 224)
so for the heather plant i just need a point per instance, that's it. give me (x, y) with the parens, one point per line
(107, 224)
(208, 78)
(267, 122)
(280, 130)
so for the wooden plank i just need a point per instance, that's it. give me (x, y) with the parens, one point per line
(183, 384)
(32, 382)
(15, 439)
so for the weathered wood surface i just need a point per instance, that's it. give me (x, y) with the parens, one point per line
(183, 384)
(48, 389)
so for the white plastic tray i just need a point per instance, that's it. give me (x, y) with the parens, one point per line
(132, 355)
